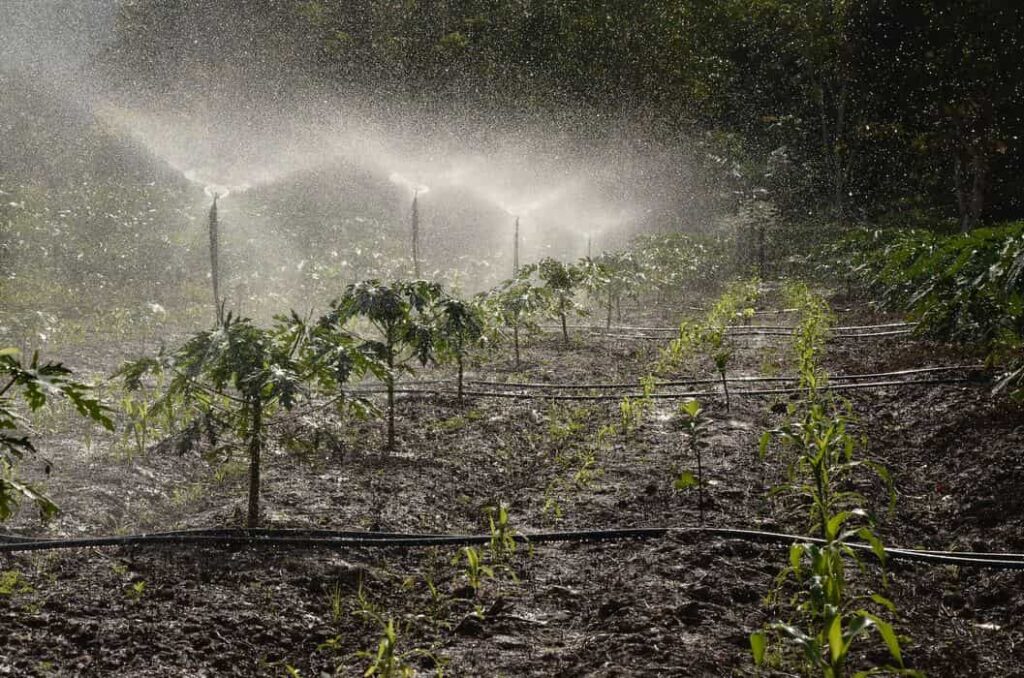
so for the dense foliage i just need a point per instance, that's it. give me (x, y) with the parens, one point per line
(967, 287)
(784, 96)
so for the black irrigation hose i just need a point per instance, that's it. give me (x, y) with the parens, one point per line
(330, 539)
(597, 329)
(555, 386)
(761, 333)
(668, 396)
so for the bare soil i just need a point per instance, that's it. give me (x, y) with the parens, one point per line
(679, 606)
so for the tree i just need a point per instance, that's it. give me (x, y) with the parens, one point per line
(515, 304)
(35, 383)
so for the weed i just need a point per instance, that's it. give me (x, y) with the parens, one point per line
(12, 582)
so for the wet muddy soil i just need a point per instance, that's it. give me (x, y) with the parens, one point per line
(683, 605)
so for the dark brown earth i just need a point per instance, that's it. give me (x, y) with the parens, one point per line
(679, 606)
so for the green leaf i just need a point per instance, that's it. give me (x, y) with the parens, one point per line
(888, 635)
(758, 644)
(836, 645)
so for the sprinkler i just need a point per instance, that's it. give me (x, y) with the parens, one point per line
(218, 306)
(415, 235)
(417, 189)
(515, 250)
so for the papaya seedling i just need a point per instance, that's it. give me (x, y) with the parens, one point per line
(400, 314)
(236, 375)
(561, 282)
(460, 325)
(516, 304)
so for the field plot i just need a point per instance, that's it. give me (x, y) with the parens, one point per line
(680, 603)
(541, 338)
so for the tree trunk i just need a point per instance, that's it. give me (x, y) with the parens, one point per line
(565, 329)
(700, 487)
(255, 447)
(608, 323)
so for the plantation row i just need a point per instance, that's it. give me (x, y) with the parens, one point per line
(236, 375)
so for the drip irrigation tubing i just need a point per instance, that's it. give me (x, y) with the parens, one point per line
(340, 540)
(761, 333)
(664, 396)
(554, 386)
(631, 328)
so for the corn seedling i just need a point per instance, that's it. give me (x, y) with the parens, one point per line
(694, 425)
(829, 619)
(503, 535)
(387, 661)
(633, 410)
(474, 568)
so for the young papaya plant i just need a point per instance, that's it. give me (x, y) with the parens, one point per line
(34, 384)
(235, 375)
(695, 426)
(401, 315)
(459, 326)
(561, 282)
(515, 304)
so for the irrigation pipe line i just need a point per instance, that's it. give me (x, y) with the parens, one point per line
(761, 333)
(554, 386)
(667, 396)
(631, 328)
(342, 540)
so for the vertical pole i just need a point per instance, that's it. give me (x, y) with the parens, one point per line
(218, 308)
(416, 235)
(515, 250)
(590, 241)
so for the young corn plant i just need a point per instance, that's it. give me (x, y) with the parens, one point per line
(389, 662)
(475, 570)
(34, 383)
(828, 617)
(810, 336)
(633, 410)
(695, 426)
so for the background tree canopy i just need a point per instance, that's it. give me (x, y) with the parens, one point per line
(840, 108)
